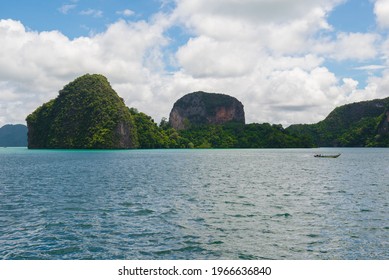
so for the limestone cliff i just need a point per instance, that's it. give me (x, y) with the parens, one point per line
(200, 108)
(87, 114)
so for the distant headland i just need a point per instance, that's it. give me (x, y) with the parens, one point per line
(89, 114)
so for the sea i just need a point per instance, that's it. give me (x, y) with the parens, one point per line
(235, 204)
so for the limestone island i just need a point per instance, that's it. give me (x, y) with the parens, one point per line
(203, 108)
(87, 114)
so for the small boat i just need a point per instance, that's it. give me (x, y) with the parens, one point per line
(327, 156)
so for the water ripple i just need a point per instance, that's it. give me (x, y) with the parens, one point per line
(193, 204)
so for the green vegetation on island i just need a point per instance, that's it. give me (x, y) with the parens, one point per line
(88, 114)
(152, 136)
(236, 135)
(361, 124)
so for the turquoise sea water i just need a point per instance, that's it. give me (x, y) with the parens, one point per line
(194, 204)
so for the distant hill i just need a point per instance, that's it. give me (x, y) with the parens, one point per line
(361, 124)
(13, 135)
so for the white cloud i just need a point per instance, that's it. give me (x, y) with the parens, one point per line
(371, 67)
(64, 9)
(356, 46)
(298, 96)
(126, 13)
(35, 66)
(205, 57)
(92, 12)
(381, 9)
(385, 50)
(378, 87)
(257, 11)
(307, 62)
(281, 25)
(232, 37)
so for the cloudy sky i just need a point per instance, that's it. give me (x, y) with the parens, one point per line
(288, 61)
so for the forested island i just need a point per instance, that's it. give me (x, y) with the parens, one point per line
(88, 114)
(361, 124)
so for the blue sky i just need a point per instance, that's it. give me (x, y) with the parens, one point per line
(353, 16)
(287, 61)
(77, 18)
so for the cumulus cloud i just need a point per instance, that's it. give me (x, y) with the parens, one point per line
(378, 86)
(381, 9)
(34, 66)
(281, 25)
(205, 57)
(257, 11)
(230, 37)
(347, 46)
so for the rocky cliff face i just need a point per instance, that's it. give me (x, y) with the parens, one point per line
(87, 114)
(205, 108)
